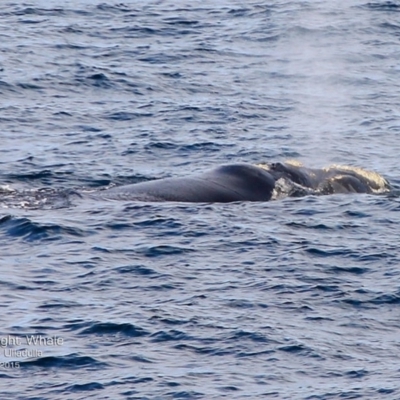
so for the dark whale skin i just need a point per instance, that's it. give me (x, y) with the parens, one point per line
(227, 183)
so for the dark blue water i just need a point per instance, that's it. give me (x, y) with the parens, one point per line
(292, 299)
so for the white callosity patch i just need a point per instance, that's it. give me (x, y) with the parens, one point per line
(381, 184)
(286, 187)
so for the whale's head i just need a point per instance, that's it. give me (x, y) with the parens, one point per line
(376, 182)
(331, 179)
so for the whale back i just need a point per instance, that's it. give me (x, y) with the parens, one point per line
(227, 183)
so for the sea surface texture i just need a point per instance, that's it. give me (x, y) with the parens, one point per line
(291, 299)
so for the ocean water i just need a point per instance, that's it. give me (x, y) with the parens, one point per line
(291, 299)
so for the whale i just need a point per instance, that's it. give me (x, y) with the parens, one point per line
(247, 182)
(228, 183)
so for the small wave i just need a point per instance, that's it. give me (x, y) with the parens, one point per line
(6, 87)
(167, 336)
(86, 387)
(107, 328)
(127, 116)
(32, 231)
(383, 6)
(367, 299)
(71, 361)
(136, 270)
(156, 251)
